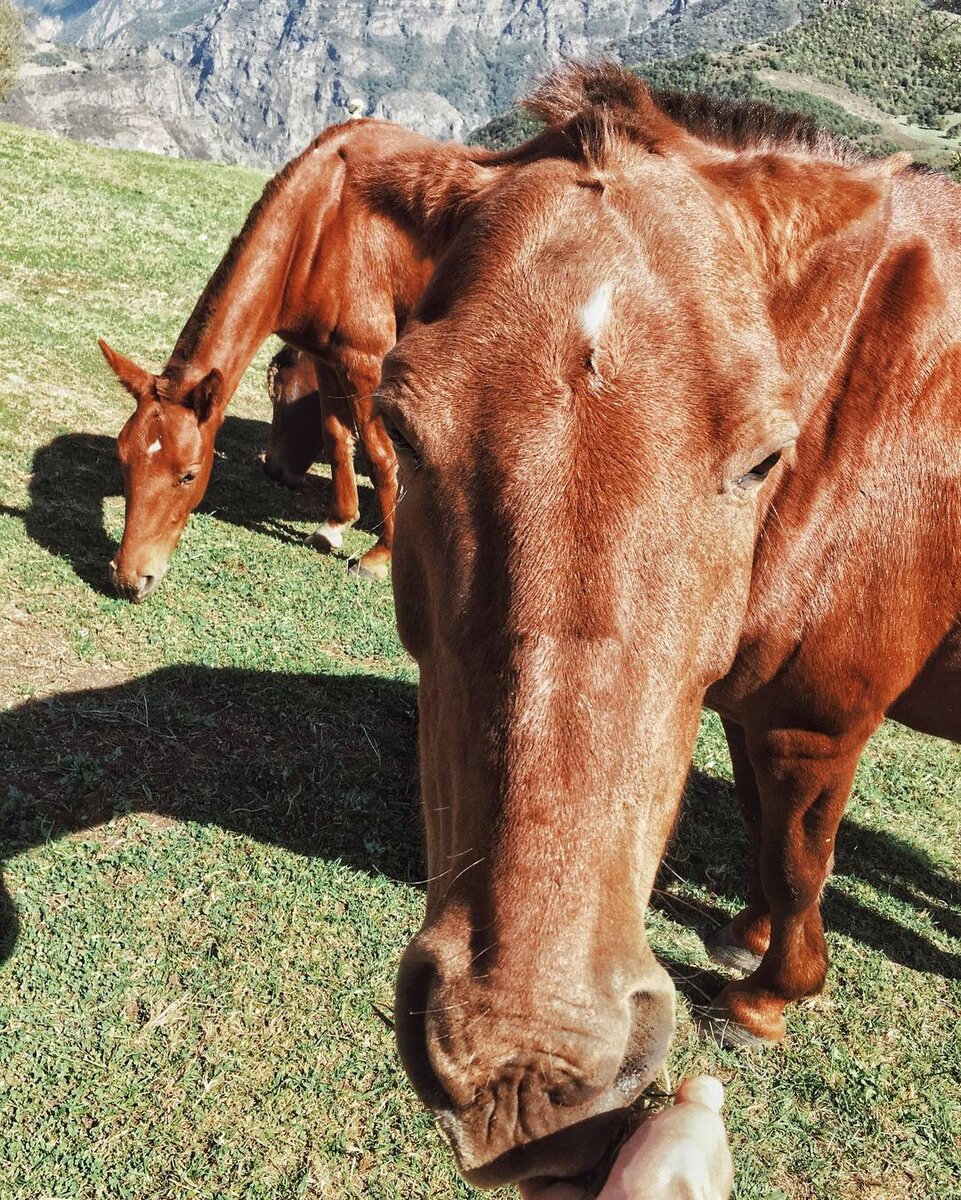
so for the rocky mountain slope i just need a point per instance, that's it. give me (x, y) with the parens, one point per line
(95, 23)
(253, 80)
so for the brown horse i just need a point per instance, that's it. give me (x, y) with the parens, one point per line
(315, 265)
(680, 421)
(296, 438)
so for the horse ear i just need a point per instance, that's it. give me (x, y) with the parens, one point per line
(431, 191)
(136, 380)
(205, 396)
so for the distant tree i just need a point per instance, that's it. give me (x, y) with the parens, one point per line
(11, 46)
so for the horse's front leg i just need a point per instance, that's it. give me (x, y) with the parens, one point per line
(803, 780)
(343, 509)
(743, 942)
(364, 374)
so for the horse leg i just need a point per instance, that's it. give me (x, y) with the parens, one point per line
(296, 438)
(338, 427)
(803, 781)
(742, 943)
(381, 463)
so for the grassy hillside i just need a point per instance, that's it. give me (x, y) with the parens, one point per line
(208, 808)
(901, 54)
(886, 75)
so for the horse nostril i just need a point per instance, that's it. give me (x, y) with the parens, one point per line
(147, 586)
(572, 1093)
(415, 983)
(650, 1039)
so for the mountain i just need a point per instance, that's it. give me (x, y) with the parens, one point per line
(253, 80)
(95, 23)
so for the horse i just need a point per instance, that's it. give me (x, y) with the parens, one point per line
(296, 438)
(314, 265)
(678, 421)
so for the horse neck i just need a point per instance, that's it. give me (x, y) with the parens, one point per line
(243, 302)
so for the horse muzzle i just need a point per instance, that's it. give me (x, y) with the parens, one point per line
(525, 1086)
(135, 586)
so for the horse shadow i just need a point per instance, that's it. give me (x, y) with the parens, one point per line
(326, 765)
(73, 474)
(710, 850)
(321, 765)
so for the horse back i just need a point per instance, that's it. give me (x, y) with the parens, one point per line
(355, 274)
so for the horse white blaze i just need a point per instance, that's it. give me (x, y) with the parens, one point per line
(594, 315)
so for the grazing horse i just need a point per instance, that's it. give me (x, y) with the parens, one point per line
(296, 438)
(679, 421)
(315, 265)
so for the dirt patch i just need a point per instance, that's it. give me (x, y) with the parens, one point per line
(37, 661)
(907, 136)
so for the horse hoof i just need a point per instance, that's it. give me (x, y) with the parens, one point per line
(327, 537)
(376, 571)
(742, 1016)
(723, 949)
(717, 1024)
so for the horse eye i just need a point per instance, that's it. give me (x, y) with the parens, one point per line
(761, 471)
(400, 441)
(189, 477)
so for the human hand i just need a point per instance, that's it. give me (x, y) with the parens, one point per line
(680, 1154)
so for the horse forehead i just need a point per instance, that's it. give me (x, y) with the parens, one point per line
(160, 428)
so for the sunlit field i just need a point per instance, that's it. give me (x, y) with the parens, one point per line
(208, 808)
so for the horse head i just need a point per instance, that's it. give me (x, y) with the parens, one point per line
(592, 415)
(166, 452)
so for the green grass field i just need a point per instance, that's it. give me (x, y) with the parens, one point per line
(209, 805)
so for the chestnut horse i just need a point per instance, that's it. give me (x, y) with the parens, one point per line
(316, 266)
(296, 438)
(679, 422)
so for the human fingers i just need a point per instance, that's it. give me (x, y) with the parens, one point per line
(680, 1154)
(701, 1089)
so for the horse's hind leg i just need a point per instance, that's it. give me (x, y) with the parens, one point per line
(338, 426)
(743, 942)
(803, 781)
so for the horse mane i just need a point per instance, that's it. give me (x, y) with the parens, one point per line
(594, 104)
(744, 124)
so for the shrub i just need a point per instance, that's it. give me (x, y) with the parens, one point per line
(11, 47)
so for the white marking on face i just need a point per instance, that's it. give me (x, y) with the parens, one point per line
(154, 447)
(594, 315)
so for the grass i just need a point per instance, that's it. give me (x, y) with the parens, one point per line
(209, 811)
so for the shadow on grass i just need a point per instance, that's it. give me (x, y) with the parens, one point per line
(710, 850)
(73, 474)
(322, 765)
(326, 765)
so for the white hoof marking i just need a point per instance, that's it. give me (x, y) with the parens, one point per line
(329, 534)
